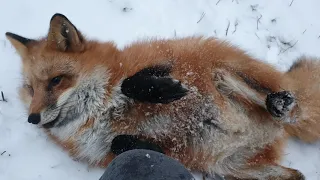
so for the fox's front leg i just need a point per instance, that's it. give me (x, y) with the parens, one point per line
(123, 143)
(249, 92)
(153, 85)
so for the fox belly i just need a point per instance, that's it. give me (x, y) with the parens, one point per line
(208, 132)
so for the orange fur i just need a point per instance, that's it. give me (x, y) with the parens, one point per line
(106, 160)
(271, 153)
(303, 79)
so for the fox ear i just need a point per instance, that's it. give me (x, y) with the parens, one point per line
(19, 43)
(63, 35)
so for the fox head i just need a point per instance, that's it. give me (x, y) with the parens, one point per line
(62, 72)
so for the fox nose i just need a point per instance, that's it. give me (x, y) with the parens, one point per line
(34, 118)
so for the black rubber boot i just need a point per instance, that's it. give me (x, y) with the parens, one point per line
(140, 164)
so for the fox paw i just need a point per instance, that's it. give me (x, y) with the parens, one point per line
(281, 104)
(153, 85)
(123, 143)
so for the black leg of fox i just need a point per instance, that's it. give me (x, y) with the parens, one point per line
(153, 85)
(122, 143)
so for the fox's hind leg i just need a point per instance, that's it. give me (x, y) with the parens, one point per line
(280, 104)
(261, 102)
(267, 172)
(259, 165)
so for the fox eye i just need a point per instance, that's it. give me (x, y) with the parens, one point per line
(55, 81)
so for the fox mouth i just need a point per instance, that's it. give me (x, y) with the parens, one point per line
(51, 124)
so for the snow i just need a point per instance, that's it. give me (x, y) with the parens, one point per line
(272, 30)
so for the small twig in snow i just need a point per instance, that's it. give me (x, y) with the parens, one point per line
(274, 20)
(235, 27)
(126, 9)
(288, 44)
(55, 166)
(227, 28)
(258, 21)
(254, 7)
(2, 96)
(201, 17)
(218, 2)
(319, 37)
(175, 33)
(236, 1)
(291, 2)
(304, 31)
(3, 153)
(257, 35)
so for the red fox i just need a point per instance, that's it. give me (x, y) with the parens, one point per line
(202, 101)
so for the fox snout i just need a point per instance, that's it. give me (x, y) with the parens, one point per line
(34, 118)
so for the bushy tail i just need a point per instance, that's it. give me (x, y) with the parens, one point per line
(303, 78)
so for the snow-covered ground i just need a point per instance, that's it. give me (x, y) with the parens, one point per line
(276, 31)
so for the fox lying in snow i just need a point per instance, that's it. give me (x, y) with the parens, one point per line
(199, 100)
